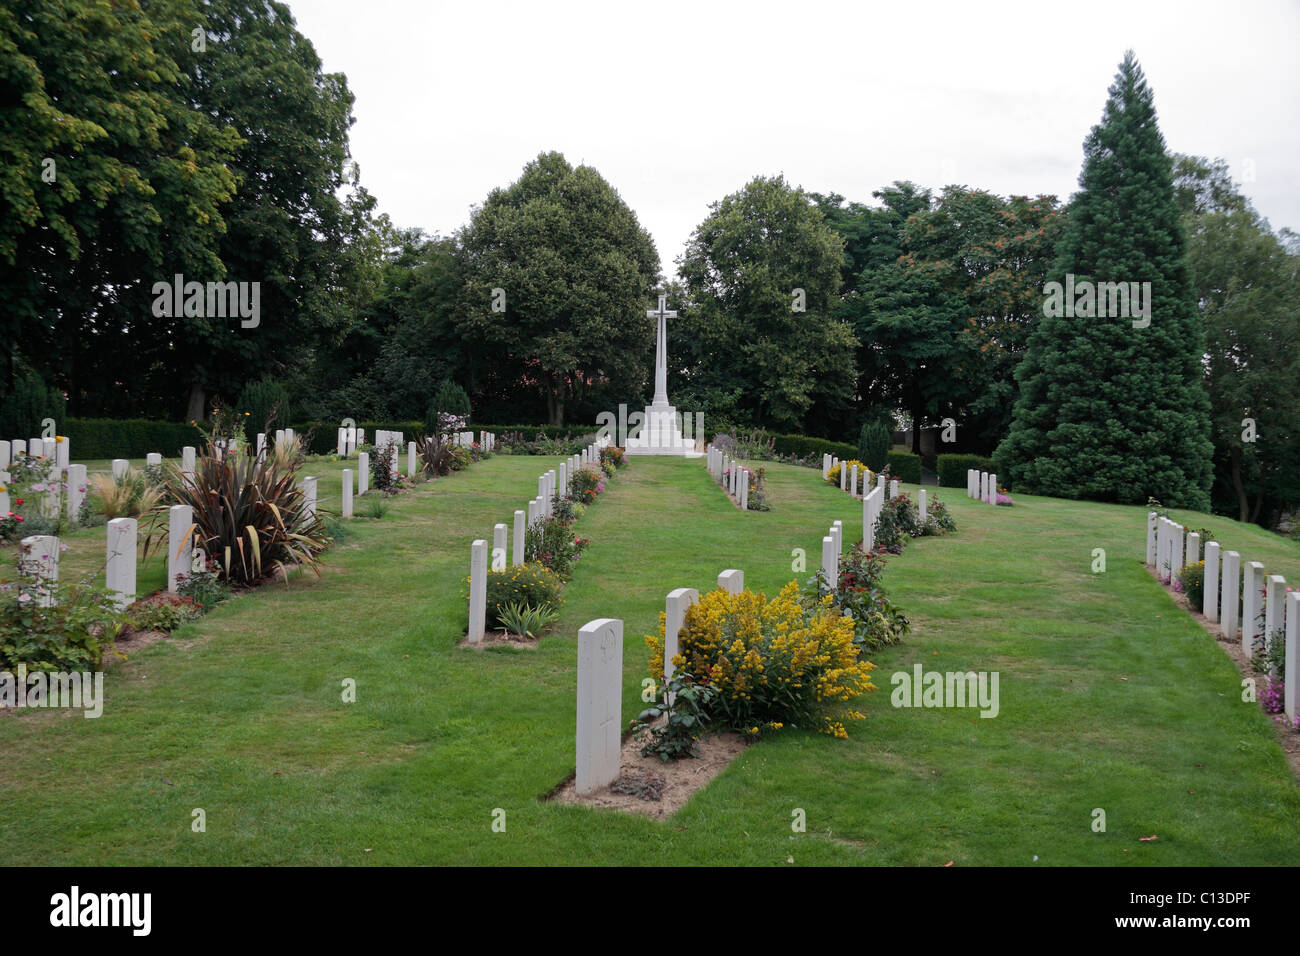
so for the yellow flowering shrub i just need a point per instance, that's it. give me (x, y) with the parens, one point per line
(833, 476)
(774, 663)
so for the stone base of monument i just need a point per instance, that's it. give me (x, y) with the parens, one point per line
(661, 434)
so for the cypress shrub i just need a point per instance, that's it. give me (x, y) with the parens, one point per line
(267, 404)
(874, 442)
(29, 404)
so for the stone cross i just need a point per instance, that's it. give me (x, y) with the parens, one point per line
(661, 349)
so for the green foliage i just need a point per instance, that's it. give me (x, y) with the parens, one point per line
(70, 636)
(525, 621)
(684, 706)
(249, 517)
(381, 469)
(804, 448)
(938, 519)
(905, 466)
(205, 586)
(93, 438)
(1191, 581)
(742, 328)
(436, 458)
(551, 543)
(448, 412)
(952, 469)
(877, 622)
(27, 405)
(1108, 411)
(585, 484)
(874, 442)
(376, 506)
(531, 584)
(162, 612)
(578, 271)
(267, 405)
(898, 521)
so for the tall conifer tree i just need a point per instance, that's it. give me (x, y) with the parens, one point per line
(1109, 409)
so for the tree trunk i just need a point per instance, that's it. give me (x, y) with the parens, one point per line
(1243, 502)
(194, 408)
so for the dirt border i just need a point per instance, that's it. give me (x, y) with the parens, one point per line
(1287, 737)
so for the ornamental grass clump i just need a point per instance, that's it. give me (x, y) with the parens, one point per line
(773, 663)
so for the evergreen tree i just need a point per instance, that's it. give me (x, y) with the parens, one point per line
(1110, 409)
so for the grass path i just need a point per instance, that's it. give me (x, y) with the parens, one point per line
(241, 713)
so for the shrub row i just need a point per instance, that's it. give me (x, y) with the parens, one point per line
(127, 438)
(905, 466)
(952, 469)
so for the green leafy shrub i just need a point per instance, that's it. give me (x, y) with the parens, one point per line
(249, 516)
(897, 522)
(614, 455)
(525, 621)
(29, 403)
(267, 406)
(877, 622)
(449, 411)
(938, 519)
(906, 467)
(381, 469)
(757, 500)
(162, 612)
(874, 441)
(531, 584)
(685, 705)
(952, 468)
(585, 484)
(1191, 582)
(70, 636)
(204, 586)
(551, 543)
(435, 456)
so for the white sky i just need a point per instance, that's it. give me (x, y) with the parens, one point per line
(677, 104)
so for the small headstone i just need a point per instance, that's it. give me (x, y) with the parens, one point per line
(837, 532)
(40, 561)
(261, 446)
(893, 488)
(920, 505)
(1152, 519)
(477, 590)
(363, 472)
(853, 480)
(1230, 600)
(830, 571)
(77, 485)
(993, 488)
(410, 459)
(347, 492)
(153, 460)
(180, 542)
(1291, 669)
(1210, 604)
(744, 489)
(868, 523)
(732, 581)
(498, 547)
(564, 480)
(679, 601)
(6, 450)
(19, 447)
(62, 453)
(187, 460)
(1274, 611)
(1193, 548)
(1176, 549)
(309, 495)
(521, 519)
(1252, 586)
(826, 466)
(119, 571)
(844, 478)
(600, 704)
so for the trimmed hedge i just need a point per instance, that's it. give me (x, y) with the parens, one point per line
(952, 469)
(905, 466)
(92, 438)
(802, 446)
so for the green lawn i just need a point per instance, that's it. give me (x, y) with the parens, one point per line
(240, 714)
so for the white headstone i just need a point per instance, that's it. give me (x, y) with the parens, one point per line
(77, 485)
(342, 446)
(18, 447)
(600, 704)
(1210, 604)
(993, 488)
(6, 451)
(1152, 519)
(1230, 600)
(40, 561)
(309, 494)
(120, 467)
(868, 523)
(921, 505)
(1274, 611)
(119, 571)
(893, 488)
(498, 547)
(363, 472)
(732, 581)
(1252, 587)
(853, 480)
(62, 453)
(347, 492)
(563, 480)
(1291, 680)
(410, 459)
(837, 532)
(744, 489)
(1193, 554)
(478, 590)
(830, 570)
(261, 445)
(1176, 549)
(679, 601)
(826, 466)
(180, 542)
(517, 557)
(187, 459)
(844, 478)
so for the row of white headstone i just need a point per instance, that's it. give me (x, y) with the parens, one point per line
(982, 486)
(556, 483)
(1266, 606)
(600, 684)
(729, 473)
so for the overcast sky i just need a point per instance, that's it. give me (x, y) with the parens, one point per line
(678, 104)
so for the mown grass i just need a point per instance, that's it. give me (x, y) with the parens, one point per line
(1111, 698)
